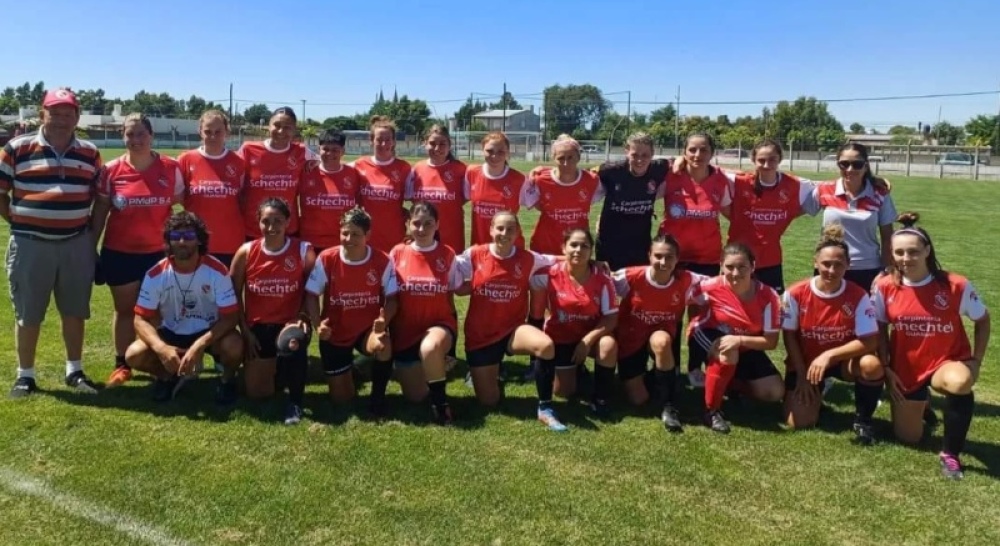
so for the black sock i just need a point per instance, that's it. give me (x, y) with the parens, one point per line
(296, 369)
(957, 418)
(866, 396)
(438, 395)
(545, 375)
(666, 383)
(696, 356)
(381, 372)
(604, 380)
(675, 345)
(120, 362)
(536, 322)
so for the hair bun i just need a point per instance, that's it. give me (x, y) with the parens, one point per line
(833, 233)
(908, 219)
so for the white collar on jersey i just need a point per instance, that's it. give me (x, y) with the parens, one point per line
(917, 284)
(322, 169)
(201, 150)
(284, 248)
(555, 177)
(428, 248)
(819, 293)
(486, 172)
(376, 161)
(777, 180)
(368, 255)
(493, 251)
(649, 278)
(267, 144)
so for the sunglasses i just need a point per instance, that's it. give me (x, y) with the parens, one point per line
(182, 235)
(857, 164)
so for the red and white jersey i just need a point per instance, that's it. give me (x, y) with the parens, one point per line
(827, 321)
(926, 323)
(444, 187)
(141, 202)
(490, 195)
(213, 185)
(725, 311)
(324, 197)
(561, 206)
(500, 290)
(647, 306)
(272, 173)
(187, 303)
(691, 214)
(352, 292)
(426, 278)
(383, 186)
(760, 213)
(275, 282)
(574, 309)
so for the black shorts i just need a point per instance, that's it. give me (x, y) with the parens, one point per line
(121, 268)
(411, 355)
(338, 360)
(772, 276)
(921, 394)
(489, 355)
(564, 356)
(267, 337)
(792, 377)
(708, 270)
(753, 364)
(182, 341)
(633, 365)
(226, 259)
(623, 254)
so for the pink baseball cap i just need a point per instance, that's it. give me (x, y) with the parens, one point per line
(56, 97)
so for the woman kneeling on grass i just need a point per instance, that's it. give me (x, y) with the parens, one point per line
(922, 306)
(830, 332)
(583, 314)
(358, 288)
(269, 275)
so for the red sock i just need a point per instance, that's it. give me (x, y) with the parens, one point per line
(717, 378)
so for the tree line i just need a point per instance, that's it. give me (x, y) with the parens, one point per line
(581, 110)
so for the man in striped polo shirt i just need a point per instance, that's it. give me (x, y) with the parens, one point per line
(47, 183)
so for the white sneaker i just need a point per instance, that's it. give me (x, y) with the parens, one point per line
(696, 378)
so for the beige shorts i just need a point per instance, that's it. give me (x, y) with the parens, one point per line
(37, 268)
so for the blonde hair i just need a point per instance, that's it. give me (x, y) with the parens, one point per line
(640, 138)
(381, 122)
(496, 136)
(138, 117)
(833, 236)
(567, 140)
(213, 113)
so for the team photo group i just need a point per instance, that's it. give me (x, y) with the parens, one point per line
(246, 257)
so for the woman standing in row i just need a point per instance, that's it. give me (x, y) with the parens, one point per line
(494, 187)
(327, 193)
(440, 180)
(383, 185)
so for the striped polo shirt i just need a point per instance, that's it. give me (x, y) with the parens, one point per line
(52, 193)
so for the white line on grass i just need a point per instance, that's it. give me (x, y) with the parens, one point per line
(79, 507)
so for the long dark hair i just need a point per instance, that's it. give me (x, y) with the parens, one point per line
(909, 221)
(671, 241)
(422, 207)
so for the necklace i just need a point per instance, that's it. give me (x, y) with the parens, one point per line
(187, 304)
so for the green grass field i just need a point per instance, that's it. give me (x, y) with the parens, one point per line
(118, 469)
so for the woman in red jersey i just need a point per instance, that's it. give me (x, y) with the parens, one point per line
(440, 180)
(213, 182)
(135, 197)
(358, 287)
(829, 330)
(583, 313)
(327, 193)
(383, 184)
(500, 280)
(494, 187)
(423, 330)
(924, 344)
(653, 300)
(739, 321)
(269, 276)
(275, 168)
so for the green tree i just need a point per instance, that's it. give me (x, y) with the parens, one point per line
(342, 123)
(574, 109)
(947, 134)
(257, 114)
(856, 128)
(984, 130)
(665, 114)
(807, 121)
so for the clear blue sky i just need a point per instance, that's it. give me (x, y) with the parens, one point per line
(336, 54)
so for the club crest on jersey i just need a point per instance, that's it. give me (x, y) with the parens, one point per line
(651, 187)
(677, 210)
(440, 266)
(448, 177)
(675, 299)
(941, 301)
(292, 163)
(371, 278)
(848, 310)
(394, 175)
(583, 196)
(561, 316)
(230, 171)
(348, 182)
(254, 161)
(783, 196)
(206, 288)
(119, 201)
(290, 264)
(518, 271)
(163, 181)
(506, 192)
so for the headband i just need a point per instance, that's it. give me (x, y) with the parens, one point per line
(911, 231)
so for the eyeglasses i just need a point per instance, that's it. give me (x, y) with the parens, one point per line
(182, 235)
(857, 164)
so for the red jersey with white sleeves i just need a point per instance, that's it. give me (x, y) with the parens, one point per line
(324, 198)
(382, 188)
(500, 288)
(691, 214)
(574, 309)
(760, 213)
(826, 321)
(444, 187)
(213, 185)
(926, 324)
(352, 292)
(647, 306)
(141, 201)
(561, 206)
(426, 278)
(272, 173)
(490, 195)
(724, 310)
(187, 303)
(275, 282)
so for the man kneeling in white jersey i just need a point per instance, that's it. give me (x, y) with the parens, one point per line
(186, 307)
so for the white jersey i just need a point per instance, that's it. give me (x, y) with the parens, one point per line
(187, 303)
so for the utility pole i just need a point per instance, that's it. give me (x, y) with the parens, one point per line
(303, 110)
(503, 99)
(677, 122)
(628, 116)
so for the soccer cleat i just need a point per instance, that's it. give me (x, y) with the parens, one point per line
(548, 418)
(601, 409)
(23, 387)
(951, 467)
(81, 383)
(715, 421)
(442, 415)
(180, 382)
(121, 375)
(864, 434)
(696, 378)
(293, 414)
(378, 410)
(226, 393)
(671, 419)
(163, 389)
